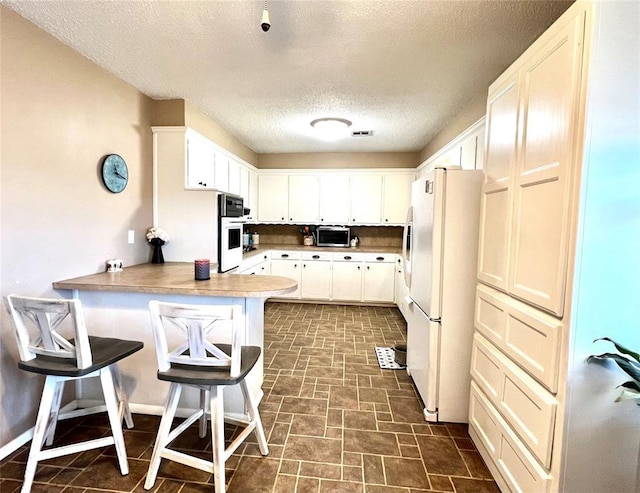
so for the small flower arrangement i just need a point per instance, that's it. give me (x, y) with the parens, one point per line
(157, 236)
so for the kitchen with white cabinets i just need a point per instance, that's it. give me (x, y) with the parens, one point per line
(558, 260)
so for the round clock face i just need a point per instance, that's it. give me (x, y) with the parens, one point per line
(115, 173)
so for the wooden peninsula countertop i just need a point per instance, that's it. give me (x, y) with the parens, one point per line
(178, 278)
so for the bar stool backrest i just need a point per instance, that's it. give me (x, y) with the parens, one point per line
(185, 334)
(37, 322)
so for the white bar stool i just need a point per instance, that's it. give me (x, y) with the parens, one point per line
(196, 361)
(38, 324)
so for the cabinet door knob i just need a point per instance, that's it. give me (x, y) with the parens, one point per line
(285, 255)
(347, 257)
(304, 266)
(358, 267)
(368, 267)
(316, 256)
(379, 258)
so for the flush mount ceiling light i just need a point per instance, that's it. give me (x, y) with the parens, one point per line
(331, 128)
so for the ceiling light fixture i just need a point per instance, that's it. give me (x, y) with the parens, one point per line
(331, 128)
(266, 23)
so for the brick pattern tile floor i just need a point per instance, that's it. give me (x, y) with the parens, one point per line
(335, 423)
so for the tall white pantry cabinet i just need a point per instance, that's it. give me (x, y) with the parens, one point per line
(537, 422)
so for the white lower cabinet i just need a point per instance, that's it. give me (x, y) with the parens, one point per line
(287, 264)
(514, 463)
(256, 265)
(347, 280)
(379, 279)
(316, 276)
(525, 405)
(330, 276)
(401, 289)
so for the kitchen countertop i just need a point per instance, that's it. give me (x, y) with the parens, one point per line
(264, 247)
(178, 278)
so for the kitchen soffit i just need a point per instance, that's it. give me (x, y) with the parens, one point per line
(401, 68)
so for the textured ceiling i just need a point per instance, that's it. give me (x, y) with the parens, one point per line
(403, 69)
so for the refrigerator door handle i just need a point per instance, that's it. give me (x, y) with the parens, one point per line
(407, 240)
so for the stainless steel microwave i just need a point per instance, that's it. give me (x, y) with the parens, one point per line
(333, 236)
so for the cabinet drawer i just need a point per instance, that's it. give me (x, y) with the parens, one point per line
(348, 256)
(501, 447)
(528, 408)
(285, 254)
(316, 256)
(378, 257)
(528, 336)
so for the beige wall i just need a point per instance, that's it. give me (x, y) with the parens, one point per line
(475, 110)
(60, 115)
(168, 113)
(203, 124)
(178, 112)
(338, 160)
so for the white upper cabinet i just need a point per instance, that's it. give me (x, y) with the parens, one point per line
(502, 124)
(396, 198)
(200, 162)
(235, 177)
(253, 193)
(304, 199)
(273, 198)
(334, 198)
(466, 151)
(525, 212)
(222, 172)
(366, 199)
(245, 185)
(542, 176)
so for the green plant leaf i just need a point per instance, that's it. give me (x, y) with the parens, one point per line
(630, 367)
(628, 395)
(620, 348)
(631, 385)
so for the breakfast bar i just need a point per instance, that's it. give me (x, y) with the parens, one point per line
(116, 305)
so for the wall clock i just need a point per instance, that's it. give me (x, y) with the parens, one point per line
(115, 174)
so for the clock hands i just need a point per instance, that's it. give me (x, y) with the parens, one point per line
(115, 171)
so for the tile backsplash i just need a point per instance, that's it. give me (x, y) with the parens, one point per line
(369, 236)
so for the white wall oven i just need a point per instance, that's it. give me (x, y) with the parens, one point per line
(230, 224)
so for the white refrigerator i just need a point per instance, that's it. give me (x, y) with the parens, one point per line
(440, 247)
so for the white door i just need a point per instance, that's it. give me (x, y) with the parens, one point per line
(200, 163)
(315, 280)
(422, 356)
(290, 269)
(273, 198)
(222, 172)
(378, 282)
(427, 197)
(396, 198)
(334, 199)
(304, 199)
(366, 199)
(347, 281)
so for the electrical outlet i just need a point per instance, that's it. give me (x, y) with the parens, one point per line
(131, 237)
